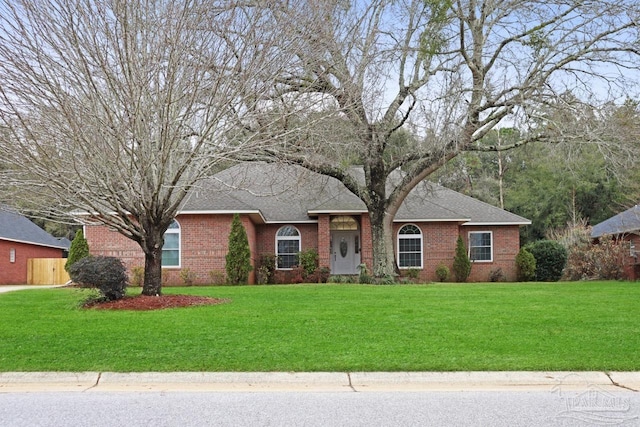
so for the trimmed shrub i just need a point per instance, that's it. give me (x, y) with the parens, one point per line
(238, 259)
(442, 272)
(496, 275)
(461, 262)
(79, 249)
(106, 274)
(308, 260)
(266, 269)
(526, 266)
(551, 258)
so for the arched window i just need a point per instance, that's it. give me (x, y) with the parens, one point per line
(171, 248)
(410, 247)
(287, 247)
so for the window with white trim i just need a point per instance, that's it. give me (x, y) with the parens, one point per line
(410, 247)
(12, 255)
(481, 246)
(171, 248)
(287, 247)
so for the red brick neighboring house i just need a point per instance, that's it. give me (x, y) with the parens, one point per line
(625, 227)
(287, 209)
(21, 239)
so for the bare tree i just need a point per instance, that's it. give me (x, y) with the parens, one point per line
(449, 71)
(118, 108)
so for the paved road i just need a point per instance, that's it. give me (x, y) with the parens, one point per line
(185, 409)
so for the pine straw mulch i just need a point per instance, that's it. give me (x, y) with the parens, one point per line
(146, 303)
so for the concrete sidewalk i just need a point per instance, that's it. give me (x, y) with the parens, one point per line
(11, 288)
(11, 382)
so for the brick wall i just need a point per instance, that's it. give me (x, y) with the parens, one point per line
(204, 243)
(15, 273)
(439, 244)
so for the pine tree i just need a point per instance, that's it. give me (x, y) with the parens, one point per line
(79, 249)
(238, 259)
(461, 262)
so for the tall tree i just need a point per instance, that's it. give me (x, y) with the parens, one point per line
(448, 70)
(118, 108)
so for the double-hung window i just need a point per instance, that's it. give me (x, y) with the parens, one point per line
(287, 247)
(481, 246)
(171, 248)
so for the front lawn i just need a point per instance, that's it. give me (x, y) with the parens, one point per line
(559, 326)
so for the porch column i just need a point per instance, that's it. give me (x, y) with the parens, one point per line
(324, 241)
(366, 241)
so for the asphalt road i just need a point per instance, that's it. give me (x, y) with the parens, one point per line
(185, 409)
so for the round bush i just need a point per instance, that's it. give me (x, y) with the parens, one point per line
(551, 257)
(107, 274)
(526, 264)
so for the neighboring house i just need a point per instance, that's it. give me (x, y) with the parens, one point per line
(624, 226)
(20, 240)
(287, 209)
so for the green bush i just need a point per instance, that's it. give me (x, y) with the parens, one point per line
(461, 262)
(551, 257)
(238, 259)
(308, 260)
(364, 277)
(79, 249)
(107, 274)
(442, 272)
(526, 266)
(266, 269)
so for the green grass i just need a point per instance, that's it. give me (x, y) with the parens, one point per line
(560, 326)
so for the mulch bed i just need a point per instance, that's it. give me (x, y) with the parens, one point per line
(145, 303)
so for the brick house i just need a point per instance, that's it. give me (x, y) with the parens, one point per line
(287, 209)
(20, 240)
(625, 227)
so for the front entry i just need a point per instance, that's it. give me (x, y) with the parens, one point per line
(345, 252)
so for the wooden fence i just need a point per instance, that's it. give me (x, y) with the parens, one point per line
(46, 271)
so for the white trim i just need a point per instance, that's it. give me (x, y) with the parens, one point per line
(403, 220)
(421, 236)
(469, 244)
(336, 212)
(489, 224)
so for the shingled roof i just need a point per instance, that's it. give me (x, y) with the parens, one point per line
(625, 222)
(17, 228)
(279, 193)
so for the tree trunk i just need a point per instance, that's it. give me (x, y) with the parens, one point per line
(153, 265)
(384, 264)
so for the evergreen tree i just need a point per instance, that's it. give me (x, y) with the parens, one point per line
(461, 262)
(238, 258)
(79, 249)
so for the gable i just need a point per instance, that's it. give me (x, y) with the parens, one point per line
(625, 222)
(17, 228)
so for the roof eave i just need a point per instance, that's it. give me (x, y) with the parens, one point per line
(496, 223)
(26, 242)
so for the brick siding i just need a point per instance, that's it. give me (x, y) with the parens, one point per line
(204, 245)
(15, 273)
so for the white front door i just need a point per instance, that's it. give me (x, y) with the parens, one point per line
(345, 252)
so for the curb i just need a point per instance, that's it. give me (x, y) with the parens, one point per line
(11, 382)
